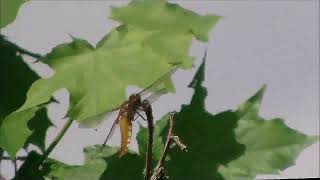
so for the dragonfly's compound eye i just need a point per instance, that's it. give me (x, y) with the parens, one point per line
(132, 97)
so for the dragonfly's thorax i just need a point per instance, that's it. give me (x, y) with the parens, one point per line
(130, 107)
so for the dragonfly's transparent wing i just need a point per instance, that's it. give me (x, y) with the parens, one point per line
(94, 121)
(155, 96)
(151, 99)
(158, 82)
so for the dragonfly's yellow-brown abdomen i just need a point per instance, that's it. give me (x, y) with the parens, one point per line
(126, 133)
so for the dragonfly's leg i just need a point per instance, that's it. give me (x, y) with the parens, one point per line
(140, 115)
(136, 118)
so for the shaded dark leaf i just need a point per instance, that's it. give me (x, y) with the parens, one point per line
(228, 145)
(15, 79)
(39, 125)
(30, 169)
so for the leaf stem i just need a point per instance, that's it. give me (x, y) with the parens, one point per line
(56, 140)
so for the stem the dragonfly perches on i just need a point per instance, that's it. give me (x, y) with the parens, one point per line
(148, 111)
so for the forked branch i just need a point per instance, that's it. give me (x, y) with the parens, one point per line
(159, 172)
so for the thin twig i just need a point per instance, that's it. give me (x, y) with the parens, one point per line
(148, 111)
(169, 141)
(159, 172)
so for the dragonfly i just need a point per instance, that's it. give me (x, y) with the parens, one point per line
(133, 108)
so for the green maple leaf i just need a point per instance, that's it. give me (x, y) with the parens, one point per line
(93, 167)
(30, 168)
(210, 138)
(39, 126)
(16, 78)
(97, 77)
(14, 130)
(271, 146)
(9, 10)
(229, 145)
(163, 16)
(101, 162)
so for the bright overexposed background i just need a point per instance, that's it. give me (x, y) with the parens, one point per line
(255, 43)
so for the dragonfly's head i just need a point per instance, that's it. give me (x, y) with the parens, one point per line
(135, 99)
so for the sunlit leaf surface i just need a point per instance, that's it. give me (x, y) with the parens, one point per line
(131, 54)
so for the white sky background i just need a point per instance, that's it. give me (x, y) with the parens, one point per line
(255, 43)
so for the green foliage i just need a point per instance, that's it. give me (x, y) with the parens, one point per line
(24, 127)
(221, 146)
(14, 130)
(97, 77)
(154, 36)
(158, 15)
(210, 138)
(92, 169)
(88, 72)
(100, 163)
(39, 126)
(15, 78)
(9, 10)
(271, 146)
(232, 144)
(158, 133)
(30, 169)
